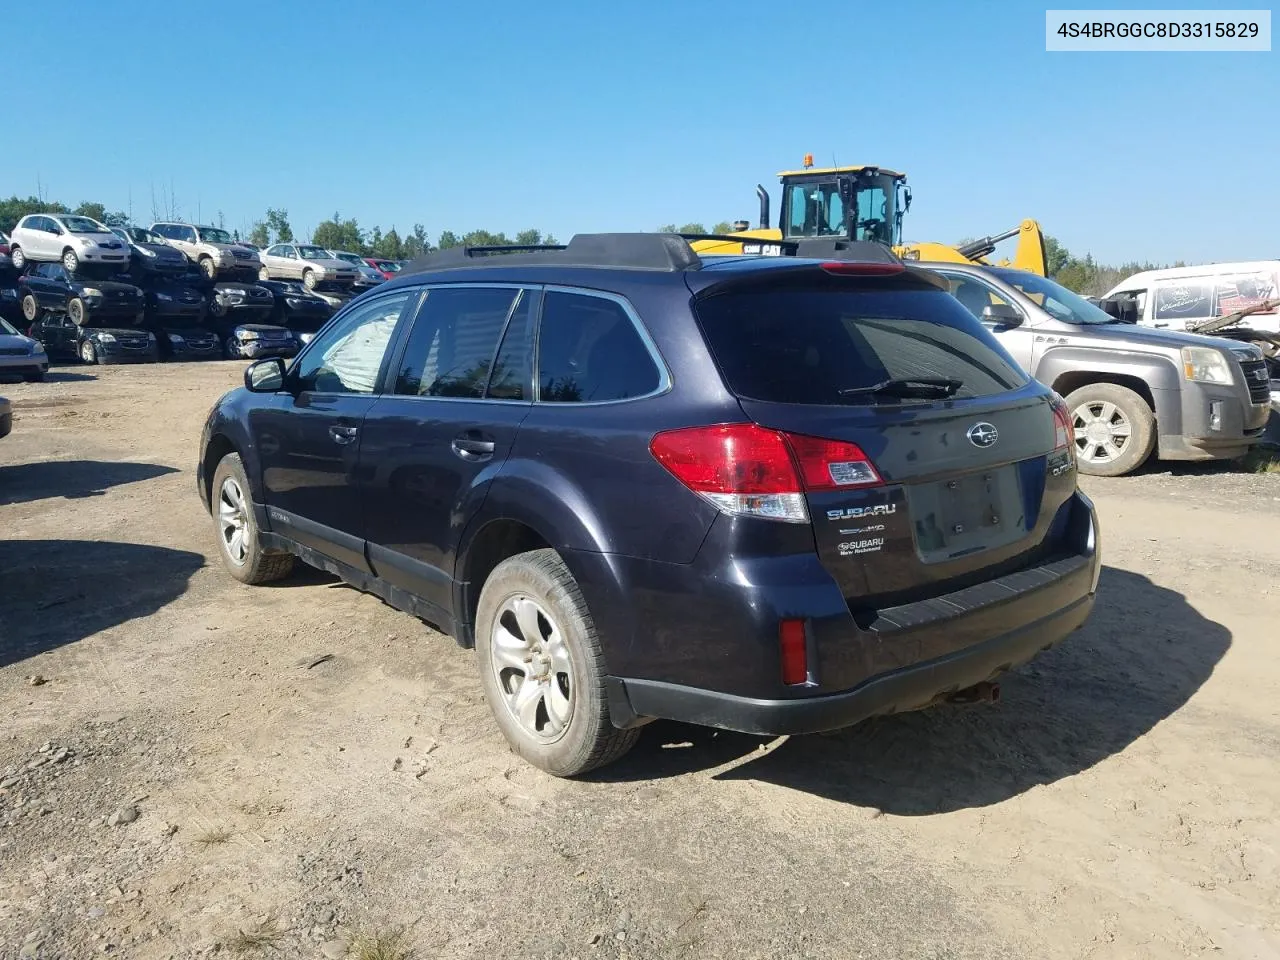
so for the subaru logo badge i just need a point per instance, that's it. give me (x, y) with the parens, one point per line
(982, 434)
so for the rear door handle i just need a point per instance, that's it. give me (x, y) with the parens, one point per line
(342, 435)
(471, 448)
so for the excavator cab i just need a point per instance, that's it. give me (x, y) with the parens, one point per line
(861, 203)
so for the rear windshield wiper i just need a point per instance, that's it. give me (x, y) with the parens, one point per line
(923, 387)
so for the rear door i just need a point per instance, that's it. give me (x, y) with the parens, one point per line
(960, 485)
(433, 442)
(309, 438)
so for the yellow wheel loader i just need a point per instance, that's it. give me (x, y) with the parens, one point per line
(863, 203)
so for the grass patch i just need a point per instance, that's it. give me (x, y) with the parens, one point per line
(380, 946)
(212, 836)
(1261, 460)
(263, 936)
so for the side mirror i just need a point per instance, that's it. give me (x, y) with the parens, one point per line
(1002, 315)
(265, 376)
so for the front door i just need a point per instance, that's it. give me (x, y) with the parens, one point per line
(309, 437)
(433, 442)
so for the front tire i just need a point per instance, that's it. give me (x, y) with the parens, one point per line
(232, 349)
(88, 354)
(542, 667)
(208, 269)
(309, 279)
(264, 273)
(70, 261)
(1114, 429)
(17, 258)
(77, 311)
(31, 311)
(232, 508)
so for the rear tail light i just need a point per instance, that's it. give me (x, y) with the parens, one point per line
(1063, 432)
(795, 655)
(749, 470)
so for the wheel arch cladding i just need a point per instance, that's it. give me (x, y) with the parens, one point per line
(492, 541)
(1154, 378)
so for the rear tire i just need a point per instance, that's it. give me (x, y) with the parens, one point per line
(1114, 429)
(557, 719)
(237, 530)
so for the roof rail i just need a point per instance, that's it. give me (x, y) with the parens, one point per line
(636, 251)
(786, 246)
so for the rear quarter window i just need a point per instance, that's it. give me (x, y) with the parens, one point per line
(806, 346)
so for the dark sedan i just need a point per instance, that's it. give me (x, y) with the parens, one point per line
(241, 302)
(296, 307)
(48, 288)
(149, 255)
(99, 342)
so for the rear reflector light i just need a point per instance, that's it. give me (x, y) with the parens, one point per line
(749, 470)
(857, 269)
(795, 656)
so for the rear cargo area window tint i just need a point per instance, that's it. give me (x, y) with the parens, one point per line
(797, 346)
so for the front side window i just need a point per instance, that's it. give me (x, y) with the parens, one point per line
(589, 351)
(450, 352)
(972, 293)
(1055, 299)
(1181, 300)
(348, 357)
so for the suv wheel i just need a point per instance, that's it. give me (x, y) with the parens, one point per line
(242, 554)
(17, 258)
(70, 262)
(31, 311)
(542, 667)
(208, 269)
(1114, 429)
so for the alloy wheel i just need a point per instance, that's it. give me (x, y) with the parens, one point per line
(532, 664)
(1101, 431)
(233, 521)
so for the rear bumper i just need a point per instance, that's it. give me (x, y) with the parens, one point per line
(699, 642)
(633, 701)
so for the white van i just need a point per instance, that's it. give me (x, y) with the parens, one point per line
(1177, 296)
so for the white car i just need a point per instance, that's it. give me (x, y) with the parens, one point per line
(74, 240)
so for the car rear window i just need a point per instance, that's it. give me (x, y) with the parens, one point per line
(795, 345)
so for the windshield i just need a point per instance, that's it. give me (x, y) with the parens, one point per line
(350, 258)
(313, 253)
(1055, 299)
(388, 266)
(83, 225)
(214, 235)
(817, 209)
(7, 329)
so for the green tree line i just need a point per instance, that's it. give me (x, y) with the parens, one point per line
(1086, 276)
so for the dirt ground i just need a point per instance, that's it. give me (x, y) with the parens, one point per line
(184, 774)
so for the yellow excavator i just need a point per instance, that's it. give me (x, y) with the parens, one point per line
(863, 203)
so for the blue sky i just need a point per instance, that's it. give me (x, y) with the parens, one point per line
(571, 116)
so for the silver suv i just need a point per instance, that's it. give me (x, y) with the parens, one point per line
(212, 249)
(51, 237)
(1131, 390)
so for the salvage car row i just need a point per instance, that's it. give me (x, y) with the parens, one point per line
(174, 291)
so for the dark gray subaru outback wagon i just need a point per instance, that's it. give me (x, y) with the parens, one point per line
(769, 494)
